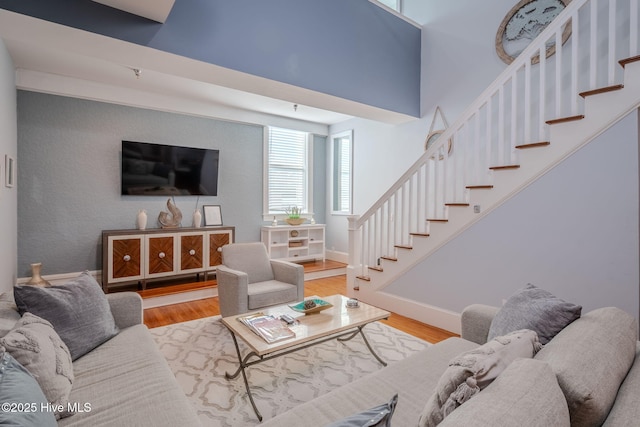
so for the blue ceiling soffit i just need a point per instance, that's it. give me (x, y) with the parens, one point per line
(350, 49)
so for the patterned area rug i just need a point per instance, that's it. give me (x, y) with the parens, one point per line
(199, 353)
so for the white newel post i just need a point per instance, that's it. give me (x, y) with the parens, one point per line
(354, 267)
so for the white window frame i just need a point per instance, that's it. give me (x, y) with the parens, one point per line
(307, 212)
(336, 169)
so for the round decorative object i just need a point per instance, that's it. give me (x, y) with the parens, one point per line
(523, 23)
(295, 221)
(293, 233)
(432, 137)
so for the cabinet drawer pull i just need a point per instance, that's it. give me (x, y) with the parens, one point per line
(126, 258)
(192, 252)
(161, 255)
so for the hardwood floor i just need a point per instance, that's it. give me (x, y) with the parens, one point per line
(165, 315)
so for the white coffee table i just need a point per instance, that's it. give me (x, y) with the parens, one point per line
(337, 322)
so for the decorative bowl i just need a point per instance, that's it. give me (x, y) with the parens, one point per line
(295, 221)
(320, 305)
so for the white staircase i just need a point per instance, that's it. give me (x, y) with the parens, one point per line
(529, 120)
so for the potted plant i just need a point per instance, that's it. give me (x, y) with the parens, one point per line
(293, 215)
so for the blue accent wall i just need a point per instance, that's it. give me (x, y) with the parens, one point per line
(350, 49)
(69, 176)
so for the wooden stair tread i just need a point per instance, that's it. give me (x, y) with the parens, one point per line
(365, 278)
(504, 167)
(479, 187)
(601, 90)
(565, 119)
(437, 220)
(456, 204)
(389, 258)
(419, 234)
(626, 61)
(375, 268)
(403, 247)
(533, 145)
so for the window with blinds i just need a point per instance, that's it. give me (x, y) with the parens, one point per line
(341, 172)
(288, 170)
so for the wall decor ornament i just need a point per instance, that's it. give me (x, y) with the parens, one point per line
(523, 23)
(171, 219)
(434, 133)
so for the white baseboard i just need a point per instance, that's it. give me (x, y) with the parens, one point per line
(59, 279)
(179, 297)
(425, 313)
(342, 257)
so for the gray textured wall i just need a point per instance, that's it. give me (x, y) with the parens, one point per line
(69, 175)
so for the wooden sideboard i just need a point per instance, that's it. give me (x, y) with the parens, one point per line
(130, 256)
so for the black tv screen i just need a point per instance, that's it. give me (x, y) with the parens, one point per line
(167, 170)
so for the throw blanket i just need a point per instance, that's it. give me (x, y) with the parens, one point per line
(472, 371)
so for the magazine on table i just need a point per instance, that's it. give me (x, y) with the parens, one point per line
(270, 328)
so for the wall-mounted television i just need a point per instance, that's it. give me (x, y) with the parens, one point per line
(167, 170)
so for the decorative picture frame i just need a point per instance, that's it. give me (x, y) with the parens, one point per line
(212, 215)
(525, 21)
(10, 171)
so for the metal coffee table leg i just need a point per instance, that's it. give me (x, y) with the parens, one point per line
(243, 364)
(359, 331)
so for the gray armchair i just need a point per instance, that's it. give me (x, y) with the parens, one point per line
(248, 280)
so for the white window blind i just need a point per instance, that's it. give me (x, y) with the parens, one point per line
(344, 176)
(341, 174)
(288, 166)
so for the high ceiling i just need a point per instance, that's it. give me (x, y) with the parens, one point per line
(58, 59)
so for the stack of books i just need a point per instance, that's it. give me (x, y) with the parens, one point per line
(270, 328)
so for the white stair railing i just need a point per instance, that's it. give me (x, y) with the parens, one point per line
(513, 111)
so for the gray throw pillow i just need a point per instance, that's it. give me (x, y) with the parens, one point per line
(37, 347)
(380, 416)
(591, 358)
(78, 310)
(526, 394)
(18, 387)
(474, 370)
(536, 309)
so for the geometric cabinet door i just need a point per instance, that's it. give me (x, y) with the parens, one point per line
(125, 258)
(192, 252)
(160, 252)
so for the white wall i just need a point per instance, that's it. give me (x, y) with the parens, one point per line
(8, 196)
(574, 232)
(458, 62)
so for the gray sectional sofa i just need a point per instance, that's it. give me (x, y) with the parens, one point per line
(587, 375)
(125, 381)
